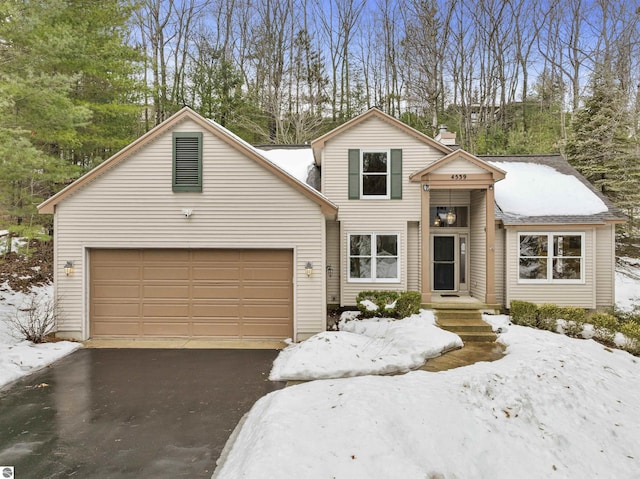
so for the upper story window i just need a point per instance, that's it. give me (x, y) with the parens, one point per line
(187, 161)
(375, 174)
(551, 257)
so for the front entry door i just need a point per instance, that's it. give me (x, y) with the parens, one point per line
(449, 262)
(444, 263)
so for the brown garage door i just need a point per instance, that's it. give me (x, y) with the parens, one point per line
(234, 294)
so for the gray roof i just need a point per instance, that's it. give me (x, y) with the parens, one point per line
(560, 164)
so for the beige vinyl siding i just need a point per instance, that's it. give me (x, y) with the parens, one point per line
(478, 245)
(374, 215)
(413, 256)
(441, 197)
(460, 166)
(580, 295)
(605, 266)
(499, 264)
(333, 259)
(375, 133)
(242, 205)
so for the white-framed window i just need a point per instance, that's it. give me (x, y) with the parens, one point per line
(374, 257)
(375, 172)
(551, 257)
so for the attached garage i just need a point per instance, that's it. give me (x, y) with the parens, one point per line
(194, 293)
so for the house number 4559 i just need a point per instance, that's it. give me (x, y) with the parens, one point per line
(458, 177)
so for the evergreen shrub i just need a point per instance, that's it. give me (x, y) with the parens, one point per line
(547, 318)
(524, 313)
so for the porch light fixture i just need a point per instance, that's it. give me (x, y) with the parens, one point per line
(308, 268)
(68, 268)
(330, 271)
(436, 220)
(451, 214)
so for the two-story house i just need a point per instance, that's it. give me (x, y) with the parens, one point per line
(192, 232)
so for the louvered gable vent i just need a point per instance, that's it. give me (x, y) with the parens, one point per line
(187, 162)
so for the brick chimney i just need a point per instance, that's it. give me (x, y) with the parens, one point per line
(445, 137)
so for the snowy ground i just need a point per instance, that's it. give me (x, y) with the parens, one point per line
(627, 283)
(18, 357)
(552, 407)
(374, 346)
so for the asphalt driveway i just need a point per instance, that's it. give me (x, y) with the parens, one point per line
(130, 413)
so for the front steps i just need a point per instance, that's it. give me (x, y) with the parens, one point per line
(465, 322)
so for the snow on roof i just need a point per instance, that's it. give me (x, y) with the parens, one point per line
(532, 189)
(295, 161)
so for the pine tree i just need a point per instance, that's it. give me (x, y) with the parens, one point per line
(601, 145)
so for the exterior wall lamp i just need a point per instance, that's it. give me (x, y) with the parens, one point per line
(308, 268)
(68, 268)
(330, 271)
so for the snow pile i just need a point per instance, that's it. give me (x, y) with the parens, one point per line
(627, 283)
(19, 357)
(552, 407)
(531, 189)
(297, 162)
(368, 346)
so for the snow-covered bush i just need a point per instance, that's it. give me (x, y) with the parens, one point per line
(388, 304)
(631, 332)
(408, 303)
(35, 318)
(605, 326)
(574, 319)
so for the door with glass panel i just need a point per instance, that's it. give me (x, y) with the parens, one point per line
(449, 262)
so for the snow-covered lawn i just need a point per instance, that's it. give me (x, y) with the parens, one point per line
(373, 346)
(552, 407)
(19, 357)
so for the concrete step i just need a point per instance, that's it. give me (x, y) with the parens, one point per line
(458, 314)
(457, 325)
(467, 324)
(478, 337)
(462, 305)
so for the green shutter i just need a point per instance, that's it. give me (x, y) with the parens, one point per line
(396, 174)
(354, 174)
(187, 162)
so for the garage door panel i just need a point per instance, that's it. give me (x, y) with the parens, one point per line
(254, 291)
(168, 329)
(266, 330)
(232, 256)
(166, 291)
(191, 293)
(115, 272)
(108, 290)
(116, 328)
(217, 329)
(165, 256)
(272, 311)
(115, 310)
(215, 310)
(262, 274)
(216, 291)
(165, 310)
(166, 272)
(216, 272)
